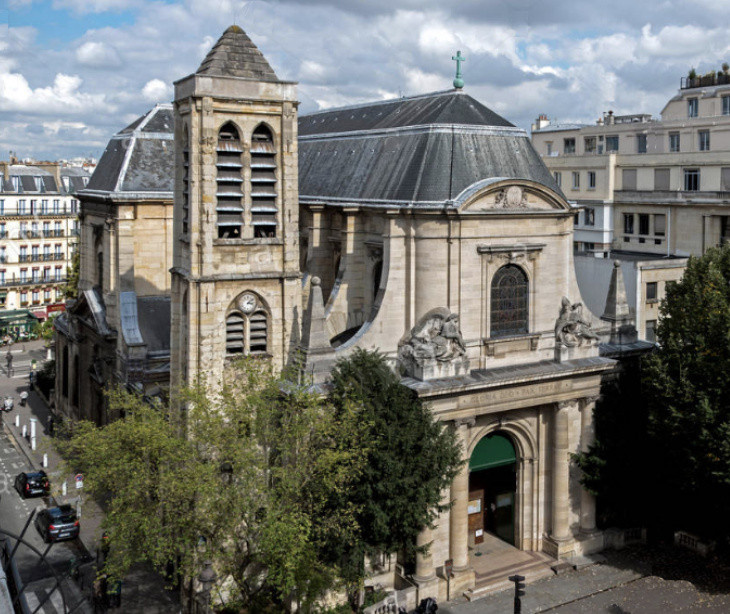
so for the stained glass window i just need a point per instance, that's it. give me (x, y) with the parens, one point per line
(509, 305)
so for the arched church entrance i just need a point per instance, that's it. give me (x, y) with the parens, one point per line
(492, 489)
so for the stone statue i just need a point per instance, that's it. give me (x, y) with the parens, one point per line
(571, 328)
(433, 345)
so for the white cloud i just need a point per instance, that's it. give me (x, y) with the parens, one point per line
(63, 97)
(156, 90)
(83, 7)
(98, 55)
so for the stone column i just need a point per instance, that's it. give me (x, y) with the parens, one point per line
(458, 525)
(425, 570)
(561, 473)
(587, 437)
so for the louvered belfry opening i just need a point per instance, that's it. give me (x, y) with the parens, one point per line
(258, 333)
(186, 182)
(235, 334)
(263, 183)
(229, 194)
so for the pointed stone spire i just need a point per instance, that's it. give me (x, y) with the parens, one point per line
(317, 352)
(617, 311)
(617, 305)
(235, 55)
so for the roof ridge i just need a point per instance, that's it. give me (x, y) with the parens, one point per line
(360, 105)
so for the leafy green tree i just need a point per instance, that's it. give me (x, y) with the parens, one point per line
(411, 460)
(249, 485)
(687, 390)
(71, 290)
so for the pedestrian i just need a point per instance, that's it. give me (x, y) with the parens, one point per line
(9, 360)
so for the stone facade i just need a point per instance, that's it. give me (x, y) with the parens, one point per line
(426, 228)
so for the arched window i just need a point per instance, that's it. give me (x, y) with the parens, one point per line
(185, 181)
(263, 183)
(77, 381)
(509, 302)
(229, 195)
(64, 377)
(247, 327)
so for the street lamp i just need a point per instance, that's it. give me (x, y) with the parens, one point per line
(207, 579)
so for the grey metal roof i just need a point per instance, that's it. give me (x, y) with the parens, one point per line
(561, 127)
(139, 159)
(145, 321)
(235, 55)
(376, 153)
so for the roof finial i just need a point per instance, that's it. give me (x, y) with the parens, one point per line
(458, 81)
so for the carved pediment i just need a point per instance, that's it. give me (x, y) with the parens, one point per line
(510, 196)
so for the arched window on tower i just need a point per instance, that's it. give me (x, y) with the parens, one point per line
(263, 183)
(509, 302)
(247, 327)
(229, 178)
(185, 181)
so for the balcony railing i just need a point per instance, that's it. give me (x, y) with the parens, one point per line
(31, 282)
(686, 83)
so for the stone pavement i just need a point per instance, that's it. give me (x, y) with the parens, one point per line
(143, 591)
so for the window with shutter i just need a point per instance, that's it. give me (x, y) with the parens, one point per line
(229, 197)
(263, 183)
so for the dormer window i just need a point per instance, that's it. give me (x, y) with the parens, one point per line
(15, 180)
(263, 183)
(229, 196)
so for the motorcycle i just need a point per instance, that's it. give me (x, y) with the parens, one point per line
(8, 404)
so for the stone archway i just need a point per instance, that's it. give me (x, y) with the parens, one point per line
(526, 479)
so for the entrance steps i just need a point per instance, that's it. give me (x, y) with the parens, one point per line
(493, 580)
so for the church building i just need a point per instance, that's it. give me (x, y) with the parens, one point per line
(426, 227)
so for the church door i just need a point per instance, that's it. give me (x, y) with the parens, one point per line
(492, 486)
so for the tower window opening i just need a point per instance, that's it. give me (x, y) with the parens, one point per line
(229, 178)
(263, 183)
(186, 182)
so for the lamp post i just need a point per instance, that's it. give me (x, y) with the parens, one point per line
(207, 579)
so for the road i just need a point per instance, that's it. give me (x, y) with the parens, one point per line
(14, 510)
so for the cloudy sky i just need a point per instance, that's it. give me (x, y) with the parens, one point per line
(73, 72)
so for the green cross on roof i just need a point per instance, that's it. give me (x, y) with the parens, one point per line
(458, 81)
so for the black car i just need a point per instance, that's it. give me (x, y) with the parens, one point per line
(56, 523)
(32, 484)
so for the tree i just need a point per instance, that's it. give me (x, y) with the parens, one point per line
(687, 391)
(411, 460)
(249, 484)
(71, 290)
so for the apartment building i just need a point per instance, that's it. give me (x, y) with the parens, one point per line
(654, 189)
(38, 233)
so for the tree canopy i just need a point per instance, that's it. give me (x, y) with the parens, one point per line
(670, 415)
(687, 389)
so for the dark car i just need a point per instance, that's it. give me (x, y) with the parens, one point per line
(56, 523)
(32, 484)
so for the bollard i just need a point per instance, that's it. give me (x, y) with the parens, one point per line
(32, 428)
(32, 443)
(17, 421)
(45, 460)
(63, 488)
(24, 431)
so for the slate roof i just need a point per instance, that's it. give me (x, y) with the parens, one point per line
(235, 55)
(139, 160)
(421, 151)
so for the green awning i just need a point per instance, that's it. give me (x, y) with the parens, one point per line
(492, 451)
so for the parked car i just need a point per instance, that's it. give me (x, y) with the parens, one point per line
(32, 484)
(56, 523)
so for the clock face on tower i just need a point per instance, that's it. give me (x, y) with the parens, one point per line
(247, 303)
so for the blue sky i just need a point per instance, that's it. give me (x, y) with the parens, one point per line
(73, 72)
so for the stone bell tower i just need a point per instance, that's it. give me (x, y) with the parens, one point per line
(235, 278)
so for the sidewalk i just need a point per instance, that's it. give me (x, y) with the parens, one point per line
(143, 590)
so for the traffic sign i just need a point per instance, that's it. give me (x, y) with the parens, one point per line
(79, 480)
